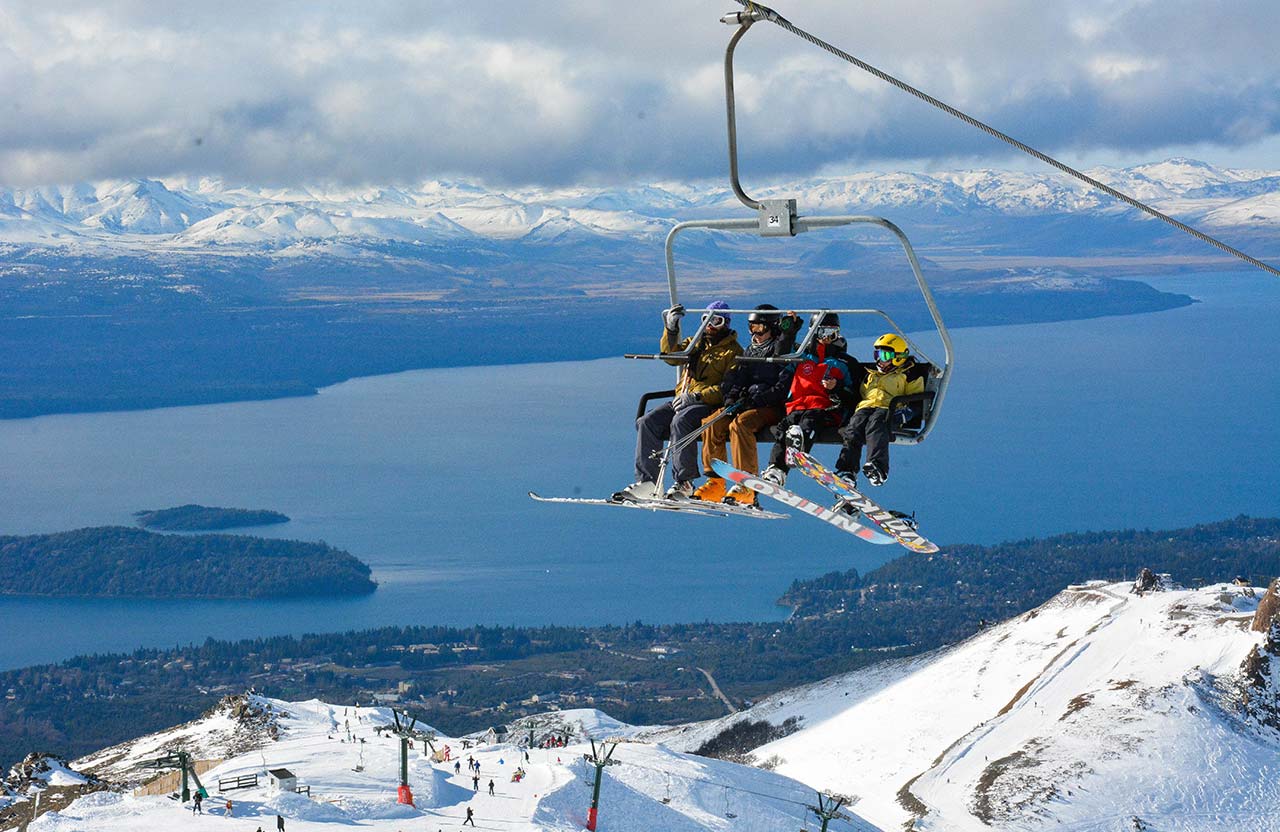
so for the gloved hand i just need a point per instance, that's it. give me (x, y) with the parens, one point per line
(671, 317)
(756, 395)
(686, 400)
(790, 323)
(904, 415)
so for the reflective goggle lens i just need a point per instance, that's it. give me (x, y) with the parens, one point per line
(828, 332)
(883, 354)
(714, 321)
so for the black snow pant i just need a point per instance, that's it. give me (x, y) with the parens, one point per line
(660, 424)
(810, 421)
(869, 426)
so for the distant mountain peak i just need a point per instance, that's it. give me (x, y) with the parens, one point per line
(114, 212)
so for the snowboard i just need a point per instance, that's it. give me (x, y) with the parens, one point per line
(899, 528)
(838, 519)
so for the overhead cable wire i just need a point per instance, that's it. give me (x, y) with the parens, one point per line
(765, 13)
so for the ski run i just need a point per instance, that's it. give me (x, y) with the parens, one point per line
(1103, 709)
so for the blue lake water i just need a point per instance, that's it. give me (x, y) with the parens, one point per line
(1159, 420)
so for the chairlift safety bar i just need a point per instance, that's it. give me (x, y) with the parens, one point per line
(809, 223)
(801, 347)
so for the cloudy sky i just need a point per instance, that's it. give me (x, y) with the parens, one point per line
(573, 91)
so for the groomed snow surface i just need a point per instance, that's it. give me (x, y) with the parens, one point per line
(1100, 710)
(651, 787)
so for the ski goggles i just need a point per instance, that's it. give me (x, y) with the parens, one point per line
(716, 321)
(884, 354)
(827, 333)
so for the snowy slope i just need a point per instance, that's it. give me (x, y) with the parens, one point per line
(1097, 707)
(1101, 709)
(649, 788)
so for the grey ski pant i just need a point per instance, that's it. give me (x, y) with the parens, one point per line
(663, 423)
(870, 425)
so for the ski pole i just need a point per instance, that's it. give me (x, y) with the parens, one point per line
(693, 437)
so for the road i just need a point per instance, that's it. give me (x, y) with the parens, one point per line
(716, 690)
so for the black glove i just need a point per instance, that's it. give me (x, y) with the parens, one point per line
(790, 323)
(904, 415)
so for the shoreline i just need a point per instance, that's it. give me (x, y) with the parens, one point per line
(290, 389)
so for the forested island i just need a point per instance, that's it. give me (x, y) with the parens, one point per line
(123, 562)
(196, 518)
(463, 679)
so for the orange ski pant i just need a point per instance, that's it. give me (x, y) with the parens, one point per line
(740, 433)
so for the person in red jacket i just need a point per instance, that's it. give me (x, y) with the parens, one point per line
(823, 387)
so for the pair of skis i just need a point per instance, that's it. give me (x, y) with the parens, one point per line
(899, 526)
(881, 525)
(869, 521)
(839, 519)
(683, 506)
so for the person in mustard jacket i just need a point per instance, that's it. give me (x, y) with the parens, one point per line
(697, 395)
(871, 422)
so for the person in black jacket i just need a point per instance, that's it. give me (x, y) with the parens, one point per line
(758, 392)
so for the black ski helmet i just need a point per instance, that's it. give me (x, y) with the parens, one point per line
(761, 316)
(829, 319)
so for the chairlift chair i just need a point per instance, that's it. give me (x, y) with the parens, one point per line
(778, 218)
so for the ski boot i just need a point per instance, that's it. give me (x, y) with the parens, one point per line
(909, 519)
(775, 475)
(873, 474)
(740, 495)
(682, 490)
(643, 490)
(845, 507)
(711, 491)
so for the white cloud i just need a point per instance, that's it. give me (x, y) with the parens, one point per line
(588, 91)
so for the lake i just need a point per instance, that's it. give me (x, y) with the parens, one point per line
(1152, 421)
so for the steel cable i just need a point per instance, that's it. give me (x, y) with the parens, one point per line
(777, 19)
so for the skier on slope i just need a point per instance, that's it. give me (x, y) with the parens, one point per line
(895, 374)
(759, 390)
(821, 387)
(696, 395)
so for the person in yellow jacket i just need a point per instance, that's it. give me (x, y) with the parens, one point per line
(697, 395)
(871, 422)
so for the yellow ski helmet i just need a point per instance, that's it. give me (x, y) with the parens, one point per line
(891, 349)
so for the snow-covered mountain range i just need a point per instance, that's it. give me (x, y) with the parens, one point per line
(1105, 708)
(208, 214)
